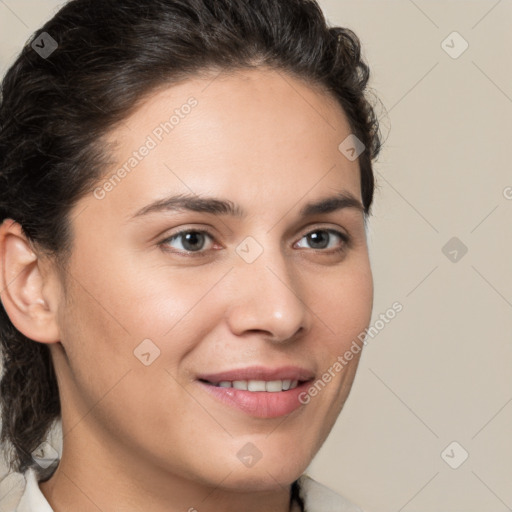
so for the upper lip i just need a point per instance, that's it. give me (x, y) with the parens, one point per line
(259, 373)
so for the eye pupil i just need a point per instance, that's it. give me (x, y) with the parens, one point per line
(323, 239)
(191, 239)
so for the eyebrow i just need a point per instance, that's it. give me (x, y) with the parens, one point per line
(217, 206)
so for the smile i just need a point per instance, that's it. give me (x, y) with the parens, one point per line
(271, 386)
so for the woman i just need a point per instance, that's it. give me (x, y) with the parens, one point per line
(184, 265)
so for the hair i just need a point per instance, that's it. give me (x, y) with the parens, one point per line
(57, 110)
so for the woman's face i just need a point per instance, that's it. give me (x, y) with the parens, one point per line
(262, 286)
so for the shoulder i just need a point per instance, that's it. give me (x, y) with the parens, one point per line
(319, 498)
(25, 495)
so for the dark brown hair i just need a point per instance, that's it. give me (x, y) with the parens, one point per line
(110, 55)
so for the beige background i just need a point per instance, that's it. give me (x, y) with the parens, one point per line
(440, 371)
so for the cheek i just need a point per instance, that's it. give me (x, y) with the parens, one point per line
(345, 303)
(127, 302)
(96, 343)
(105, 381)
(110, 316)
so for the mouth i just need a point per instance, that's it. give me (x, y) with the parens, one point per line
(258, 391)
(269, 386)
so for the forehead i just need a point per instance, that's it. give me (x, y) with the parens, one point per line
(258, 132)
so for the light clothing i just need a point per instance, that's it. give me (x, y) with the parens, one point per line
(317, 497)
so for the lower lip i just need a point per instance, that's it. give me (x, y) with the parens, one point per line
(260, 404)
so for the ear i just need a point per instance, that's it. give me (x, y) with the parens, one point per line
(29, 298)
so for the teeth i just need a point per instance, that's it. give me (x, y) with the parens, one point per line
(271, 386)
(256, 385)
(274, 385)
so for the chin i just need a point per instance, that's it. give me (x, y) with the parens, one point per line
(276, 469)
(265, 478)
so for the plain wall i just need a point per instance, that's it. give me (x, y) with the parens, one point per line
(438, 372)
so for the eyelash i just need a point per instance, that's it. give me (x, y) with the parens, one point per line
(164, 243)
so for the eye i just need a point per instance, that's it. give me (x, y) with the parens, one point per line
(195, 241)
(322, 238)
(191, 240)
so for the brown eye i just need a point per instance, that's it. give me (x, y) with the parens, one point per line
(187, 241)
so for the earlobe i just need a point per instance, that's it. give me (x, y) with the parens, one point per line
(22, 286)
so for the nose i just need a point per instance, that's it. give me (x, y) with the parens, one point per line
(268, 297)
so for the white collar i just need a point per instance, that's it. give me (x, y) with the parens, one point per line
(319, 498)
(33, 499)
